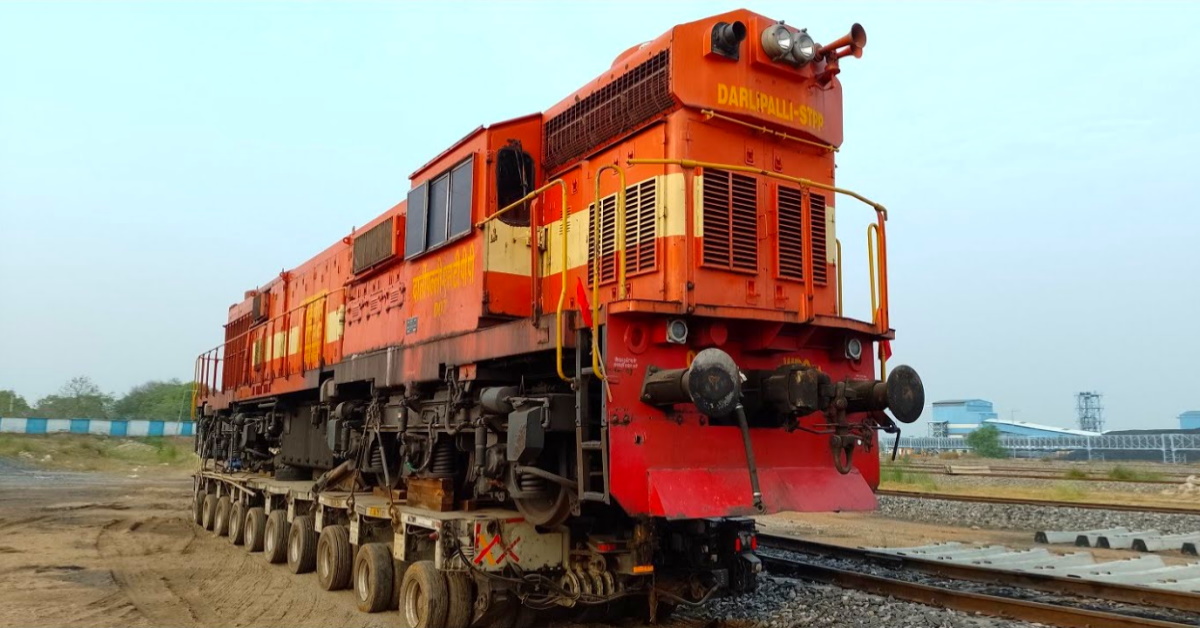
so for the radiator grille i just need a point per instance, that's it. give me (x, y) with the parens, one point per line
(820, 253)
(641, 232)
(608, 240)
(641, 227)
(791, 235)
(633, 98)
(730, 221)
(374, 246)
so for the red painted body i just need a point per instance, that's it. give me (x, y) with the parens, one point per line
(484, 293)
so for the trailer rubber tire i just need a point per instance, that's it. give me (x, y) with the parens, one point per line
(221, 517)
(335, 558)
(210, 511)
(424, 599)
(460, 596)
(198, 507)
(256, 527)
(373, 577)
(302, 545)
(237, 523)
(275, 536)
(398, 569)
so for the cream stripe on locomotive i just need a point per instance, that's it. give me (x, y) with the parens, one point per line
(667, 220)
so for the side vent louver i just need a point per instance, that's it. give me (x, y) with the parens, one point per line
(819, 250)
(641, 232)
(374, 246)
(608, 240)
(730, 221)
(791, 235)
(641, 227)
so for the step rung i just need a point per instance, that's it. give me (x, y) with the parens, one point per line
(593, 445)
(592, 496)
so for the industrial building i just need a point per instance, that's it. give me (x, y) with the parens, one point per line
(959, 417)
(1190, 420)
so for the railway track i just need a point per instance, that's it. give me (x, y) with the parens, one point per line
(983, 499)
(1031, 475)
(1043, 599)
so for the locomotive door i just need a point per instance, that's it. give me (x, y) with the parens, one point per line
(314, 332)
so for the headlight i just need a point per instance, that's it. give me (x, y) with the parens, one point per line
(777, 40)
(804, 49)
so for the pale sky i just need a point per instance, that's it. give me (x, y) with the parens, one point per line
(156, 160)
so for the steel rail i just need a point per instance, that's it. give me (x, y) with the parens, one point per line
(963, 601)
(1018, 469)
(1128, 594)
(1164, 510)
(1032, 475)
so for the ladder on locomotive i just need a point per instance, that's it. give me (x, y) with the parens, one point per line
(591, 426)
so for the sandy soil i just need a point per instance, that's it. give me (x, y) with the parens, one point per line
(105, 549)
(108, 550)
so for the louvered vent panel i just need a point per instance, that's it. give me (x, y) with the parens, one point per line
(635, 97)
(730, 220)
(608, 240)
(816, 204)
(641, 227)
(791, 234)
(374, 246)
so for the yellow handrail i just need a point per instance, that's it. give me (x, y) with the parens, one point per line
(691, 163)
(562, 295)
(871, 244)
(837, 244)
(879, 313)
(597, 367)
(710, 114)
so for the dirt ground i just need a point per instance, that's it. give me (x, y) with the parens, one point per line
(93, 549)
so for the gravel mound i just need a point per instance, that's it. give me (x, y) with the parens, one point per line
(1027, 517)
(784, 603)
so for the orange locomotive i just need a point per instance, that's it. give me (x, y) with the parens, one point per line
(622, 316)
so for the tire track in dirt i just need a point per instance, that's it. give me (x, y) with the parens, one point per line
(124, 545)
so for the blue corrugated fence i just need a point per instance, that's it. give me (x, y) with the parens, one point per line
(115, 427)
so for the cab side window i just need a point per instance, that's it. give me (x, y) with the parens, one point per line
(439, 210)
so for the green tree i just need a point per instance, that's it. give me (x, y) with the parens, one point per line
(985, 442)
(13, 405)
(79, 398)
(164, 401)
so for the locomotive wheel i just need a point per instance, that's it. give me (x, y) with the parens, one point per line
(256, 526)
(334, 558)
(424, 598)
(275, 537)
(237, 524)
(198, 507)
(210, 511)
(221, 516)
(460, 596)
(302, 545)
(549, 510)
(373, 577)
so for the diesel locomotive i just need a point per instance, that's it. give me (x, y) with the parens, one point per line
(569, 368)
